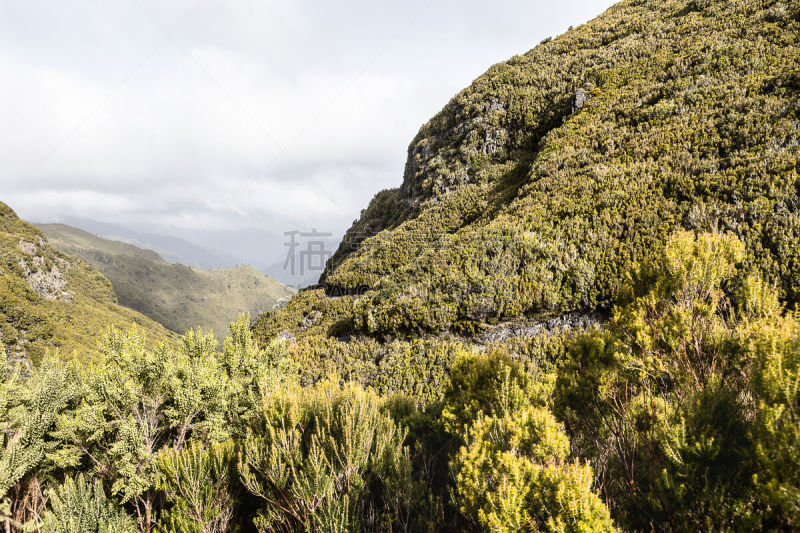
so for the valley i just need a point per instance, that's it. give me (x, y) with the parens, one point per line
(177, 296)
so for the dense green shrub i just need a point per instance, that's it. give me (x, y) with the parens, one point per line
(315, 456)
(514, 204)
(775, 351)
(511, 472)
(658, 398)
(513, 475)
(81, 505)
(199, 483)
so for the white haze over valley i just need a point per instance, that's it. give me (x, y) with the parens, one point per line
(226, 124)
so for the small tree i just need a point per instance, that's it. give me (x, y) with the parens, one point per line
(512, 472)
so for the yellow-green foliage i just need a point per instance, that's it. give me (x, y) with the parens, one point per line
(678, 413)
(483, 384)
(513, 476)
(512, 204)
(197, 480)
(775, 351)
(326, 316)
(70, 318)
(417, 367)
(313, 454)
(81, 505)
(681, 413)
(29, 407)
(512, 472)
(659, 397)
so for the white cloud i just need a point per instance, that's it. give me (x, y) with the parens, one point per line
(291, 113)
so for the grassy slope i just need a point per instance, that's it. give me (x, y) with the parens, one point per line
(70, 317)
(513, 206)
(177, 296)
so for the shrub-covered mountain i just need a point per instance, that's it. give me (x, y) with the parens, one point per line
(51, 300)
(533, 191)
(175, 295)
(449, 374)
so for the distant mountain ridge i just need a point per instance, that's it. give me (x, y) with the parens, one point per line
(178, 296)
(171, 248)
(266, 250)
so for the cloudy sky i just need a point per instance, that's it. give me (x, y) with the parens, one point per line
(197, 115)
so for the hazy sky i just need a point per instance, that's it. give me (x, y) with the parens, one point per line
(236, 114)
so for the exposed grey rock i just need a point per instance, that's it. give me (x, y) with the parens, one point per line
(311, 319)
(50, 283)
(493, 141)
(496, 106)
(27, 247)
(579, 99)
(566, 322)
(287, 336)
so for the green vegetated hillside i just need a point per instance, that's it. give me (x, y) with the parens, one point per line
(49, 300)
(577, 313)
(175, 295)
(516, 204)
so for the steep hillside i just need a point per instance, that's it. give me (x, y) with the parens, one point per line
(51, 300)
(534, 190)
(177, 296)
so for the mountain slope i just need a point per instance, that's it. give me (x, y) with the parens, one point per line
(534, 190)
(171, 248)
(177, 296)
(51, 300)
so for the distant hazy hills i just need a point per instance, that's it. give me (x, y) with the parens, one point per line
(268, 250)
(49, 300)
(170, 247)
(178, 296)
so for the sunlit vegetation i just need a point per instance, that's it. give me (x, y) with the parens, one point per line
(515, 204)
(680, 413)
(666, 206)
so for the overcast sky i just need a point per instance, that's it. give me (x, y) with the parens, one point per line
(238, 113)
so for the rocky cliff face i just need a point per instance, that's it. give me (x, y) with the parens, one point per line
(534, 190)
(45, 278)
